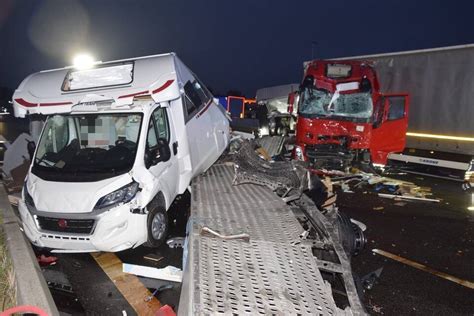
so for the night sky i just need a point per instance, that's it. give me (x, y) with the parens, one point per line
(230, 44)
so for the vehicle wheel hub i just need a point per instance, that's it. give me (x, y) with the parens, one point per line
(158, 226)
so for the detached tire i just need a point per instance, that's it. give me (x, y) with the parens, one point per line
(157, 225)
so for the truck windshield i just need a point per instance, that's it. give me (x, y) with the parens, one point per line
(315, 102)
(92, 146)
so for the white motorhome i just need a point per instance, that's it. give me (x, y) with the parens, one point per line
(121, 140)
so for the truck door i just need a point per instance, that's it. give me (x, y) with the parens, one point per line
(389, 126)
(166, 172)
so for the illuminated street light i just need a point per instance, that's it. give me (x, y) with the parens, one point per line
(83, 61)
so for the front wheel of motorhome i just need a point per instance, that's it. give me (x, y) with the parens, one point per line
(157, 225)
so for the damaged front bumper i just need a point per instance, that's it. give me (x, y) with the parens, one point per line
(112, 230)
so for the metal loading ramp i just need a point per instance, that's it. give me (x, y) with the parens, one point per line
(270, 274)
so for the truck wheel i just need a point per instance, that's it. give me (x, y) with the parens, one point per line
(157, 226)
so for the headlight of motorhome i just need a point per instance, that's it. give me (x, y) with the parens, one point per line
(27, 197)
(123, 195)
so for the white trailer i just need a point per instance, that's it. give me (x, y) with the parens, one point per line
(121, 140)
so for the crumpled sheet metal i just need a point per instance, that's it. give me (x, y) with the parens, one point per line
(250, 168)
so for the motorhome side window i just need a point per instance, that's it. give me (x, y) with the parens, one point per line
(203, 91)
(190, 108)
(157, 128)
(396, 108)
(161, 122)
(196, 96)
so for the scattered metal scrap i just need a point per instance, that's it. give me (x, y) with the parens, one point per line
(153, 257)
(273, 145)
(168, 273)
(368, 281)
(175, 242)
(287, 179)
(407, 197)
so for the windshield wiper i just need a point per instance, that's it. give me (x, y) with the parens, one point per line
(50, 164)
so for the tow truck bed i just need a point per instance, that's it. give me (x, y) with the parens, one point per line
(273, 273)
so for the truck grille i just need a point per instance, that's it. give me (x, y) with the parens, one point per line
(78, 226)
(329, 156)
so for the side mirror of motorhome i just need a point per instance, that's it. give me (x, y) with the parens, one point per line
(31, 147)
(161, 153)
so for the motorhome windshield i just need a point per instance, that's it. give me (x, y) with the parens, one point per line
(315, 103)
(87, 147)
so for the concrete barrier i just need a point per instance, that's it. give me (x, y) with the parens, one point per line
(30, 285)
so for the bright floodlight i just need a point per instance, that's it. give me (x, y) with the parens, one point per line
(83, 61)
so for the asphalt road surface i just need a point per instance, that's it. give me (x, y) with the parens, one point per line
(438, 235)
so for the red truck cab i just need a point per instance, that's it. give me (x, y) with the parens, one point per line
(343, 117)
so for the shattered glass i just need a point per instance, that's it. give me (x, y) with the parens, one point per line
(321, 102)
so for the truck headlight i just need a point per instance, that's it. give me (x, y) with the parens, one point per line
(123, 195)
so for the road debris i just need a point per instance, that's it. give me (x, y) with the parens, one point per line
(369, 280)
(169, 273)
(158, 290)
(128, 285)
(16, 163)
(378, 208)
(263, 154)
(14, 198)
(400, 204)
(423, 267)
(175, 242)
(405, 197)
(382, 186)
(375, 308)
(165, 310)
(46, 260)
(153, 257)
